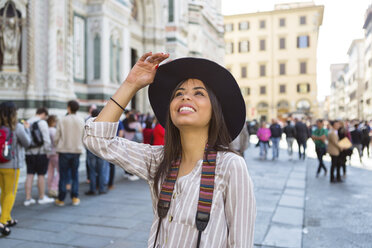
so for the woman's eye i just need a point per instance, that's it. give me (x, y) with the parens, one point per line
(199, 93)
(179, 93)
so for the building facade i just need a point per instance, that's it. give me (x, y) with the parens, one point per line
(57, 50)
(273, 57)
(367, 84)
(337, 98)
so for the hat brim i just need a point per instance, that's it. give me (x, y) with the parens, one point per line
(214, 76)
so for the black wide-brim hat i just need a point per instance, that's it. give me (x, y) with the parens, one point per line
(214, 76)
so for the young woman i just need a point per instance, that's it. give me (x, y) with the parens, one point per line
(201, 191)
(9, 171)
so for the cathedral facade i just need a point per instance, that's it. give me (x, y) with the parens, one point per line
(53, 51)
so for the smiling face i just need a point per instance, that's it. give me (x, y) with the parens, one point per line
(191, 106)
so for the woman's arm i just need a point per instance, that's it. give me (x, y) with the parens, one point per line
(137, 158)
(141, 75)
(240, 205)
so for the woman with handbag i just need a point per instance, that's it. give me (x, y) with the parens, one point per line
(201, 191)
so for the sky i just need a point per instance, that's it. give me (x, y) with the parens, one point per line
(342, 23)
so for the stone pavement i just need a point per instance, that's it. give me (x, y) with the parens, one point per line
(294, 209)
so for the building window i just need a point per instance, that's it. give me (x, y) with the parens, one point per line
(303, 41)
(262, 24)
(282, 88)
(244, 46)
(302, 20)
(79, 52)
(303, 88)
(243, 71)
(262, 70)
(282, 22)
(352, 95)
(262, 90)
(282, 43)
(170, 10)
(368, 101)
(229, 48)
(303, 67)
(246, 91)
(282, 68)
(229, 27)
(243, 25)
(262, 45)
(97, 56)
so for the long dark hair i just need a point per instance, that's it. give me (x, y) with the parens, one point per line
(218, 138)
(8, 115)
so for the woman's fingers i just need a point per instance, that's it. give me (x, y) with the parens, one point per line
(144, 56)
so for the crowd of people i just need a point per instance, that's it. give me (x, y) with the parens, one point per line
(50, 147)
(337, 138)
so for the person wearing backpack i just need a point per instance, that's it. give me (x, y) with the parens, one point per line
(36, 156)
(14, 138)
(69, 146)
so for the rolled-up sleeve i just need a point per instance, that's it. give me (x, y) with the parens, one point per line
(137, 158)
(240, 205)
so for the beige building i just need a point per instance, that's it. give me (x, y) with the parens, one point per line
(273, 57)
(367, 84)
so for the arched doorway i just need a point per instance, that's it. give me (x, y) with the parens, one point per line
(282, 109)
(303, 106)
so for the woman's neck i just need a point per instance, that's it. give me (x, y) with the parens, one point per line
(193, 144)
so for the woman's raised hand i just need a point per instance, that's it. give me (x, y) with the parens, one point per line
(143, 72)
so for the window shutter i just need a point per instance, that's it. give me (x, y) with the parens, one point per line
(308, 41)
(298, 88)
(298, 42)
(308, 87)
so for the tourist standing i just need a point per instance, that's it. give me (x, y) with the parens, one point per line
(69, 146)
(319, 136)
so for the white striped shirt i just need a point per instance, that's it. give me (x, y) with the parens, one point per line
(233, 212)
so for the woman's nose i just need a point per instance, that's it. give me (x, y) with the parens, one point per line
(186, 96)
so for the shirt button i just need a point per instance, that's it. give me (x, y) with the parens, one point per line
(170, 218)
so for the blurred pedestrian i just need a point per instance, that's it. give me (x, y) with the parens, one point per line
(290, 134)
(356, 140)
(36, 156)
(263, 135)
(342, 133)
(96, 170)
(68, 185)
(334, 151)
(69, 146)
(240, 143)
(148, 132)
(53, 169)
(302, 134)
(319, 136)
(366, 130)
(14, 138)
(276, 135)
(159, 134)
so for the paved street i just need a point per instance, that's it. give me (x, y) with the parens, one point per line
(294, 209)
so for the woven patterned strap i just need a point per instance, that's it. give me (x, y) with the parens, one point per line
(206, 189)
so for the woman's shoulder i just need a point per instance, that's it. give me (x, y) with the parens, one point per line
(230, 160)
